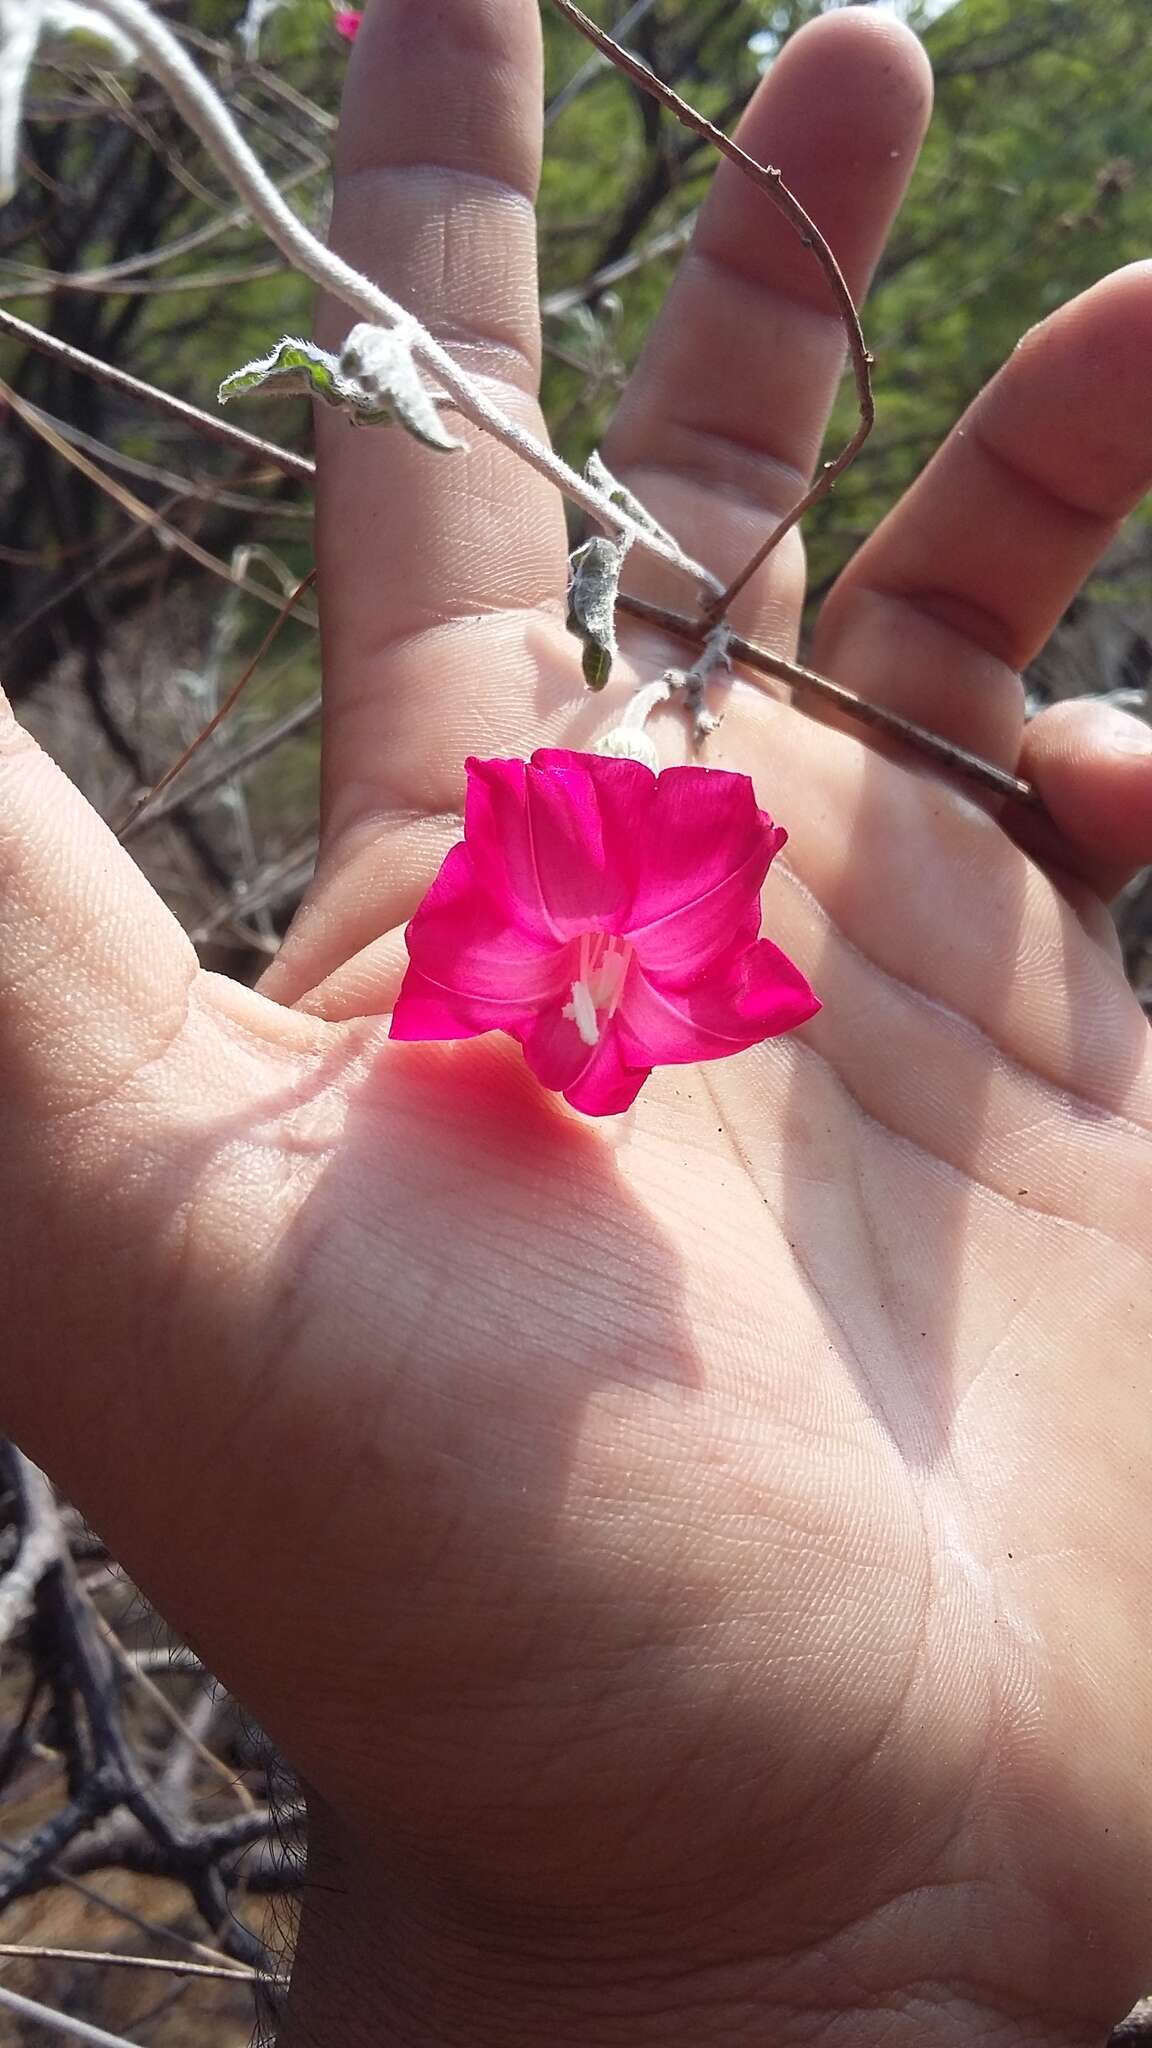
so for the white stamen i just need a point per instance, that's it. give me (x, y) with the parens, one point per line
(601, 972)
(582, 1011)
(608, 980)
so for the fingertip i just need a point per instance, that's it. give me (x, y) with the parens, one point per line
(466, 73)
(1070, 407)
(872, 38)
(1125, 294)
(1091, 764)
(365, 986)
(849, 164)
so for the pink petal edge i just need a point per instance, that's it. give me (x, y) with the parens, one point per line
(757, 993)
(463, 940)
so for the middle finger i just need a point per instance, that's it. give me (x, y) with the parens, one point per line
(721, 426)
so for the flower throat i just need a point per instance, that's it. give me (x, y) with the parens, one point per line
(603, 965)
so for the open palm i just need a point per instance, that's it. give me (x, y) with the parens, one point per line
(697, 1562)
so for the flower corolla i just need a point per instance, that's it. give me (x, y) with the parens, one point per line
(605, 917)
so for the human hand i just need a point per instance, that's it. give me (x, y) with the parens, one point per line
(698, 1565)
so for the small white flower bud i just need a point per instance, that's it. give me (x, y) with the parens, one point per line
(629, 743)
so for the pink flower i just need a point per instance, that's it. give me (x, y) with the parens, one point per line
(347, 22)
(605, 917)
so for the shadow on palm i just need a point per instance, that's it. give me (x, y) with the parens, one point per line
(688, 1446)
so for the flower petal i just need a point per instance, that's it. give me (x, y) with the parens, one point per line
(461, 939)
(593, 1078)
(608, 1086)
(499, 840)
(472, 971)
(555, 841)
(590, 819)
(707, 851)
(753, 994)
(425, 1010)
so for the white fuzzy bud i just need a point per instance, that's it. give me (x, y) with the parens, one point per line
(629, 743)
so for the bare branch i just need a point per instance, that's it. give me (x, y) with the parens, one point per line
(138, 510)
(208, 117)
(225, 705)
(231, 1972)
(768, 178)
(61, 2022)
(156, 1930)
(282, 878)
(149, 394)
(40, 1542)
(245, 757)
(609, 274)
(808, 683)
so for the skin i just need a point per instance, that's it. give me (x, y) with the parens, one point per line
(699, 1564)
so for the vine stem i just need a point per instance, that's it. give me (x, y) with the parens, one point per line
(802, 680)
(205, 112)
(808, 683)
(770, 181)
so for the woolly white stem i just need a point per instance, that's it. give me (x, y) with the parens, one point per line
(19, 35)
(207, 115)
(640, 706)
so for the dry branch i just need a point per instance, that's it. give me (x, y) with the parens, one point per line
(115, 1811)
(770, 181)
(808, 683)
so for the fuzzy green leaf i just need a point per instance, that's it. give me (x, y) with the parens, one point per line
(592, 590)
(374, 380)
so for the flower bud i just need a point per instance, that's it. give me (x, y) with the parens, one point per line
(629, 743)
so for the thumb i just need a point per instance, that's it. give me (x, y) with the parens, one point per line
(95, 973)
(127, 1074)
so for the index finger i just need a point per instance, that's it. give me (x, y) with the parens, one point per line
(428, 561)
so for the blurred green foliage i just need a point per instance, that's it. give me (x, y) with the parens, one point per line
(1036, 180)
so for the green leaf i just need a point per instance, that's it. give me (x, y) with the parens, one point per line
(374, 380)
(377, 365)
(599, 475)
(592, 590)
(293, 366)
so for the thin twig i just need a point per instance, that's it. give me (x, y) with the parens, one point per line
(285, 728)
(137, 509)
(175, 1718)
(154, 1929)
(42, 281)
(151, 259)
(768, 178)
(122, 545)
(61, 2022)
(236, 1973)
(278, 881)
(201, 106)
(666, 244)
(587, 72)
(222, 709)
(807, 682)
(208, 487)
(40, 1542)
(149, 394)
